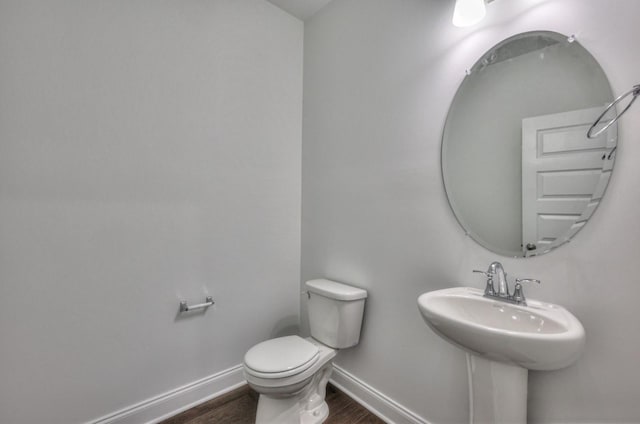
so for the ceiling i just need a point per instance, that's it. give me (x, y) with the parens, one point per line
(303, 9)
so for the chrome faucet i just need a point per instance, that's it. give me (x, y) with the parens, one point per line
(496, 270)
(502, 293)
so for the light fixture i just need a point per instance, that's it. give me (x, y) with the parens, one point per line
(468, 12)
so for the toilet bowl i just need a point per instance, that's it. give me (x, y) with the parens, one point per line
(299, 388)
(291, 373)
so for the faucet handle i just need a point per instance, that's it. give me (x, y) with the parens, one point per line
(526, 280)
(518, 295)
(488, 290)
(486, 273)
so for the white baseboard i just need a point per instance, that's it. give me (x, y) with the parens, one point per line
(168, 404)
(161, 407)
(384, 407)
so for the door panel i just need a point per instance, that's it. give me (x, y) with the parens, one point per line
(564, 175)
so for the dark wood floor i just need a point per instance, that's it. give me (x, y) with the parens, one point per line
(239, 407)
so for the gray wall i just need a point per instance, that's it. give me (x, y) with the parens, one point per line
(149, 152)
(379, 78)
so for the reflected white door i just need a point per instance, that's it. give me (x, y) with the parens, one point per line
(564, 175)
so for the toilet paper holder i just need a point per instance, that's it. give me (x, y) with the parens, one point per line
(184, 307)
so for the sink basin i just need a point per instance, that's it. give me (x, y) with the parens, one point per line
(539, 336)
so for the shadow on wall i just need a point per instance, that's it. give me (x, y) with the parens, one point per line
(287, 326)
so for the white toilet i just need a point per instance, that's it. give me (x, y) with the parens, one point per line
(291, 373)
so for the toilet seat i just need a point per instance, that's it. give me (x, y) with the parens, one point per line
(281, 357)
(281, 386)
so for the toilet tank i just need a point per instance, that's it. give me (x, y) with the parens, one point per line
(335, 312)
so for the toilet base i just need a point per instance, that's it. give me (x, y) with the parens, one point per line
(288, 411)
(306, 407)
(315, 416)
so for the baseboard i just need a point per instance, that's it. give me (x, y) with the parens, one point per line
(382, 406)
(161, 407)
(168, 404)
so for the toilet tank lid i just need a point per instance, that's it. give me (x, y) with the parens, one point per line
(335, 290)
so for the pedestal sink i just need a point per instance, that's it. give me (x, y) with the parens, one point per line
(503, 341)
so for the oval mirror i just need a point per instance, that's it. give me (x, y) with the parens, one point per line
(520, 173)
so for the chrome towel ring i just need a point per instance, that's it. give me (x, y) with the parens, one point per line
(635, 91)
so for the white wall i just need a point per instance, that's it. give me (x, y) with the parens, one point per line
(149, 152)
(379, 77)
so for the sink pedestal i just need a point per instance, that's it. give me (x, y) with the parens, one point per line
(497, 392)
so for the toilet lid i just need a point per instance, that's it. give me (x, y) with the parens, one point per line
(288, 355)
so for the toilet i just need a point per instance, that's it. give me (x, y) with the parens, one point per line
(291, 373)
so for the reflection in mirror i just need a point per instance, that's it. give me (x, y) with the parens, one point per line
(520, 173)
